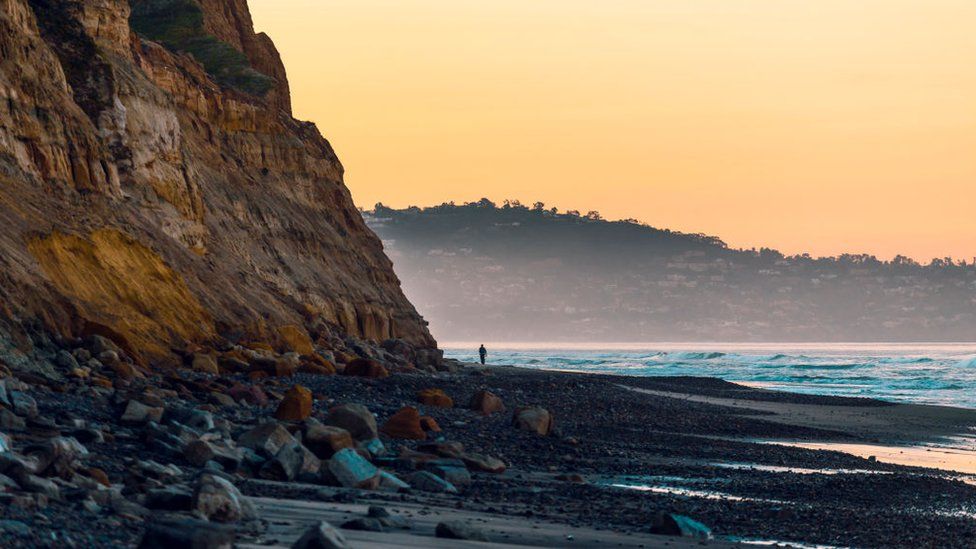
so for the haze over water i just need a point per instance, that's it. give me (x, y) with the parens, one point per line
(943, 373)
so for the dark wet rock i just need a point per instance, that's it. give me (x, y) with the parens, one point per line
(218, 500)
(23, 404)
(321, 536)
(13, 529)
(172, 498)
(454, 529)
(363, 524)
(355, 418)
(187, 533)
(429, 482)
(453, 471)
(386, 518)
(670, 524)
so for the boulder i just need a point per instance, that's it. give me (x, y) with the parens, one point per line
(361, 524)
(429, 482)
(429, 424)
(454, 529)
(321, 536)
(316, 365)
(483, 464)
(451, 470)
(296, 406)
(23, 404)
(218, 500)
(267, 439)
(294, 461)
(137, 412)
(486, 403)
(199, 452)
(356, 419)
(171, 498)
(56, 456)
(405, 424)
(205, 363)
(325, 440)
(189, 533)
(533, 419)
(391, 483)
(364, 367)
(351, 470)
(670, 524)
(435, 397)
(286, 365)
(250, 394)
(294, 339)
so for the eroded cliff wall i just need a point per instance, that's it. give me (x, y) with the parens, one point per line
(145, 195)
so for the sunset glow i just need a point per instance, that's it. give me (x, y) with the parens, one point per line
(821, 126)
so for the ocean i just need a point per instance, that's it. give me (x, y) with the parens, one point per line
(943, 373)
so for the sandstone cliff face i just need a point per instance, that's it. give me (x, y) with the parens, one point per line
(141, 199)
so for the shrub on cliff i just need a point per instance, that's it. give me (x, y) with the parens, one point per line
(178, 25)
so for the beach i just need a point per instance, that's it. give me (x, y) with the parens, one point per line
(622, 451)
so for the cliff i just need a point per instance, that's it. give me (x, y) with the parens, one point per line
(154, 188)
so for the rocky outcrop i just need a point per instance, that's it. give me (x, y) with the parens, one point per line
(144, 201)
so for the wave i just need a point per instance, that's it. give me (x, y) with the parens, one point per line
(967, 363)
(696, 356)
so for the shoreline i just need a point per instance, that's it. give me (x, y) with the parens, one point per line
(620, 452)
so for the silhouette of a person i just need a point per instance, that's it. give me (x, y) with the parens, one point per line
(484, 353)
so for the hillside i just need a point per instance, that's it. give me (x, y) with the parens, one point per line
(513, 273)
(155, 189)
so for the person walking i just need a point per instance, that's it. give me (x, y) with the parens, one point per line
(483, 353)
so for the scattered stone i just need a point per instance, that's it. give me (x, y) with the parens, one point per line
(218, 500)
(363, 525)
(325, 440)
(487, 403)
(250, 394)
(171, 498)
(669, 524)
(321, 536)
(137, 412)
(429, 424)
(13, 528)
(405, 424)
(205, 363)
(356, 419)
(483, 463)
(453, 471)
(429, 482)
(351, 470)
(187, 533)
(364, 367)
(23, 404)
(296, 406)
(454, 529)
(536, 420)
(435, 397)
(294, 461)
(390, 483)
(267, 438)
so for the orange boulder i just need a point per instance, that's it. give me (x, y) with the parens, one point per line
(435, 397)
(404, 424)
(487, 403)
(296, 406)
(362, 367)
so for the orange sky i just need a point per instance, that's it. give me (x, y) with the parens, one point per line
(808, 125)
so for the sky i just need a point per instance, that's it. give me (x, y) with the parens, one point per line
(820, 126)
